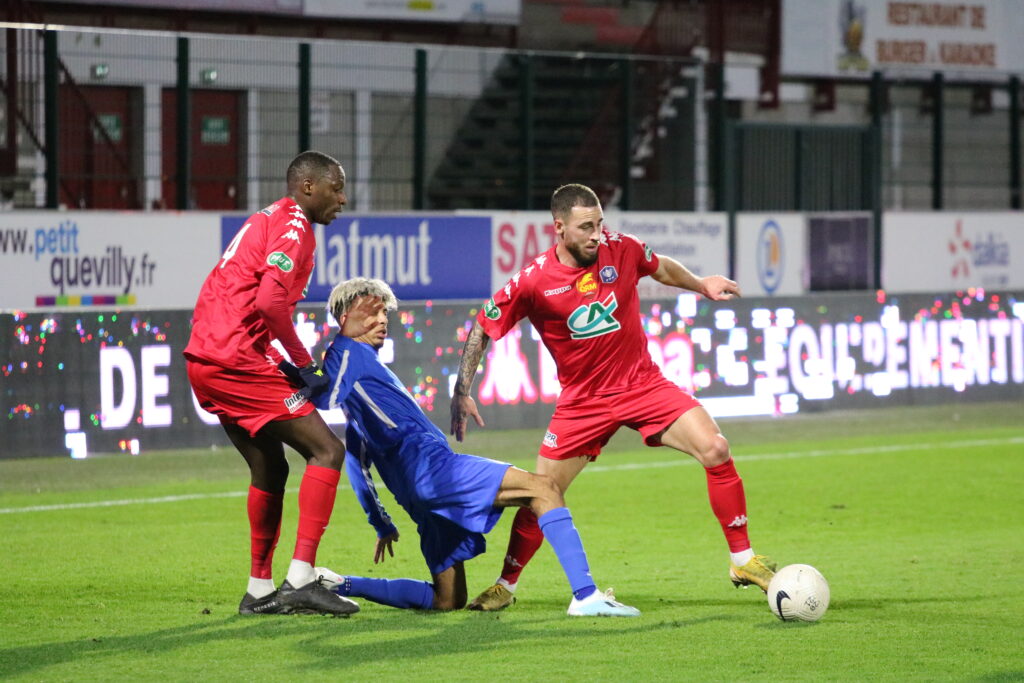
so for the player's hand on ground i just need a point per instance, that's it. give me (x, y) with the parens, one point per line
(315, 379)
(463, 407)
(719, 288)
(384, 544)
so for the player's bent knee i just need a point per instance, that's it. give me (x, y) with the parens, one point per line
(716, 453)
(546, 493)
(330, 453)
(447, 603)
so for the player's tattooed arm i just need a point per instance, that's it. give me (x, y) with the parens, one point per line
(463, 405)
(472, 354)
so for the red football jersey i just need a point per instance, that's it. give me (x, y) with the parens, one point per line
(589, 318)
(227, 330)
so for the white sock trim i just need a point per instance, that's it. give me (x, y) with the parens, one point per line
(259, 588)
(300, 573)
(742, 557)
(511, 587)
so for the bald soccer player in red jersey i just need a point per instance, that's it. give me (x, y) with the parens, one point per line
(246, 302)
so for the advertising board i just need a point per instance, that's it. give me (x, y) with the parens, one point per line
(75, 382)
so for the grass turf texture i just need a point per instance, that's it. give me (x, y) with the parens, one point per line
(913, 515)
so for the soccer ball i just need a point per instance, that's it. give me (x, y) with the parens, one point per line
(798, 592)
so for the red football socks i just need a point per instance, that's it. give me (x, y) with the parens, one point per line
(316, 501)
(725, 490)
(264, 529)
(524, 541)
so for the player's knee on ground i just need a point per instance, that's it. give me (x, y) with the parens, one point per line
(446, 601)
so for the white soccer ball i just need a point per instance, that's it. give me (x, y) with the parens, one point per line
(798, 592)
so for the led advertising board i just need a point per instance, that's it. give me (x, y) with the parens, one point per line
(109, 381)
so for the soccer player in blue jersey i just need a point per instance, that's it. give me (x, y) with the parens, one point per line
(453, 498)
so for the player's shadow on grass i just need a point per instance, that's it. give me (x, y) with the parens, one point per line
(485, 635)
(325, 644)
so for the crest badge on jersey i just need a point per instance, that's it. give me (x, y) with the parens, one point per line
(609, 275)
(491, 310)
(586, 285)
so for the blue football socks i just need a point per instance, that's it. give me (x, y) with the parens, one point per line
(561, 533)
(402, 593)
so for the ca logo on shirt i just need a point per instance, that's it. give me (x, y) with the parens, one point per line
(594, 319)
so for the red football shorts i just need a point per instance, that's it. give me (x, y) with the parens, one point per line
(248, 398)
(584, 425)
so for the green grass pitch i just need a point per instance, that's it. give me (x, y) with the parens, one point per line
(125, 567)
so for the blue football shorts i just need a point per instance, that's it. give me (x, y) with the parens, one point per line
(451, 499)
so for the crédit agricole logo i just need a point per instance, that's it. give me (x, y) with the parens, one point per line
(594, 319)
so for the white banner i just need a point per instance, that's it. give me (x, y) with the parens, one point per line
(698, 241)
(474, 11)
(852, 38)
(477, 11)
(101, 258)
(771, 254)
(949, 251)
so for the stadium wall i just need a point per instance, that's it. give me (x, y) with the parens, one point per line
(107, 380)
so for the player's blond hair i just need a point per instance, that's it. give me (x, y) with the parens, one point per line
(346, 293)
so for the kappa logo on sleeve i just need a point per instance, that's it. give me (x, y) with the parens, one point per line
(281, 260)
(291, 235)
(491, 310)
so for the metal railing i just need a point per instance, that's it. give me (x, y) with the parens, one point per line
(135, 121)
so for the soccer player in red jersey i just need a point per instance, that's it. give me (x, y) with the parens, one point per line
(581, 296)
(246, 302)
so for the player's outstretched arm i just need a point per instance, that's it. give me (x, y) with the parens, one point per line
(463, 405)
(674, 274)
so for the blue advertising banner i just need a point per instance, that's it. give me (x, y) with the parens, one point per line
(420, 256)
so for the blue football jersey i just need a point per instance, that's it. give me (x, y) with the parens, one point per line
(372, 397)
